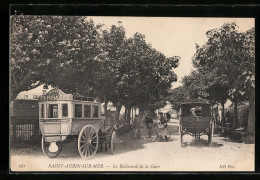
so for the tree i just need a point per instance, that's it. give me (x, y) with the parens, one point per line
(245, 83)
(208, 85)
(77, 56)
(178, 95)
(195, 85)
(48, 49)
(138, 75)
(231, 54)
(145, 74)
(106, 87)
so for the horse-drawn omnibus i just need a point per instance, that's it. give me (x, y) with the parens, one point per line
(196, 119)
(64, 117)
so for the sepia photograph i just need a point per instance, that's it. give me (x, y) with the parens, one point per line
(131, 94)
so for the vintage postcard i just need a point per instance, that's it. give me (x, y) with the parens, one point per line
(112, 93)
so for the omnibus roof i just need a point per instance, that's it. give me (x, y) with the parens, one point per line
(57, 94)
(196, 101)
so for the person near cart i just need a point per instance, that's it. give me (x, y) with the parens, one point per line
(163, 121)
(168, 116)
(148, 120)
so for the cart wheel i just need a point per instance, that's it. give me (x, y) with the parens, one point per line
(88, 142)
(181, 135)
(210, 136)
(167, 137)
(46, 145)
(160, 138)
(112, 143)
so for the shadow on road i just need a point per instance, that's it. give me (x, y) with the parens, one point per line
(202, 143)
(124, 143)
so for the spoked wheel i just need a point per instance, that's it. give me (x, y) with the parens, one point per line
(211, 133)
(46, 148)
(181, 135)
(160, 137)
(88, 142)
(112, 143)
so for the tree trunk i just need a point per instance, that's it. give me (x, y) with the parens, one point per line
(105, 106)
(141, 114)
(235, 120)
(124, 119)
(118, 109)
(128, 116)
(108, 120)
(251, 118)
(216, 116)
(138, 124)
(132, 114)
(223, 120)
(134, 118)
(13, 94)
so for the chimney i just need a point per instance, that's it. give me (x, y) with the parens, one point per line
(44, 91)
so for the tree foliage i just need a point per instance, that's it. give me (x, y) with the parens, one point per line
(46, 48)
(178, 95)
(145, 74)
(79, 57)
(229, 55)
(208, 85)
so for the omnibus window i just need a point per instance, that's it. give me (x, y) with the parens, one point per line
(196, 111)
(42, 111)
(53, 111)
(64, 110)
(95, 111)
(87, 111)
(78, 110)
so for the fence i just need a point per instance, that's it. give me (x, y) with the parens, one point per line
(24, 129)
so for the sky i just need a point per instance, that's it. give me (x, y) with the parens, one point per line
(174, 36)
(171, 35)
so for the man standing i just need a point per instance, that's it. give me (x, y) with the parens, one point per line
(147, 121)
(163, 119)
(163, 122)
(168, 116)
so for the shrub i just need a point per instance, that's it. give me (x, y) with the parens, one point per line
(124, 129)
(242, 112)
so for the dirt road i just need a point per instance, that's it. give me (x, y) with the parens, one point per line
(144, 155)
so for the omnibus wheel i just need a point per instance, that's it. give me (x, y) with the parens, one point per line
(46, 145)
(88, 142)
(112, 143)
(210, 136)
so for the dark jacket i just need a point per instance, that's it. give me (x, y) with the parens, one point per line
(163, 120)
(148, 120)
